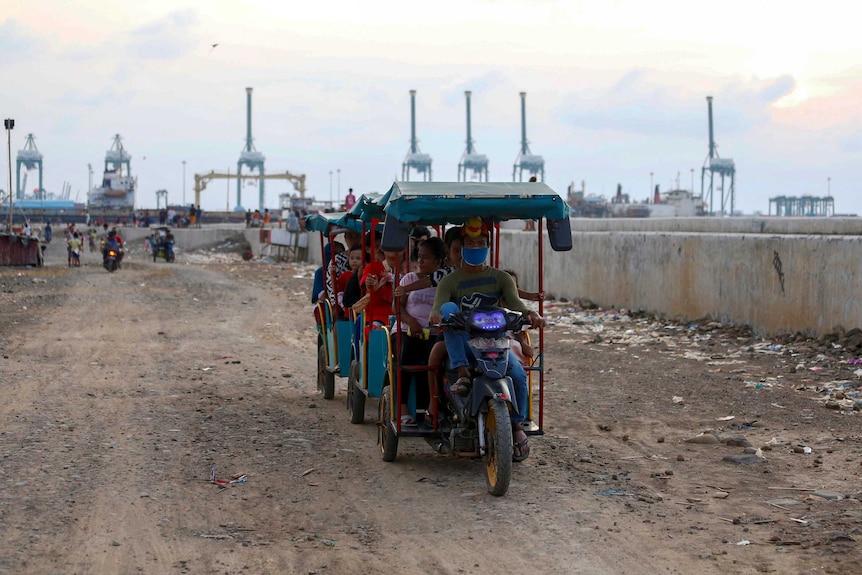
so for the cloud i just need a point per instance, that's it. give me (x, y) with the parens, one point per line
(168, 38)
(640, 104)
(16, 43)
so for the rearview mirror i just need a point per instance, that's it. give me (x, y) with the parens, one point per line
(560, 234)
(395, 234)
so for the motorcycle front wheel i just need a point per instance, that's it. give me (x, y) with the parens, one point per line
(355, 396)
(498, 447)
(387, 438)
(325, 378)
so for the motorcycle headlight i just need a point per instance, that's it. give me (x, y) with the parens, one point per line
(488, 321)
(112, 253)
(481, 343)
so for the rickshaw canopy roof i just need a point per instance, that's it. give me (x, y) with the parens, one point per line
(456, 202)
(369, 206)
(325, 221)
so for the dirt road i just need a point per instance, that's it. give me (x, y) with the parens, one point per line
(121, 392)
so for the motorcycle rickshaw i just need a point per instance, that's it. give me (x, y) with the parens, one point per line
(161, 241)
(370, 362)
(479, 424)
(334, 333)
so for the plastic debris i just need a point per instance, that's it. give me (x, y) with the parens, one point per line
(759, 384)
(744, 542)
(726, 418)
(610, 492)
(238, 478)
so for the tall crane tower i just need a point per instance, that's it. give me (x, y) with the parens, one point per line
(117, 157)
(31, 158)
(535, 165)
(414, 158)
(716, 166)
(470, 160)
(250, 158)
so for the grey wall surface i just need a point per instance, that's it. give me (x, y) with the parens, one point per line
(741, 271)
(777, 275)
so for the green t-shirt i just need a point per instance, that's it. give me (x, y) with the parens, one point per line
(489, 281)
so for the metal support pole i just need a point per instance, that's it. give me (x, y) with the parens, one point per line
(184, 182)
(9, 124)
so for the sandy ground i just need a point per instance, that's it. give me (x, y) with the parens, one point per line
(121, 392)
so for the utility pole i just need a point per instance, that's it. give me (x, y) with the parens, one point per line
(184, 182)
(338, 195)
(9, 123)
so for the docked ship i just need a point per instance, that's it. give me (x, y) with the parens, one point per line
(117, 191)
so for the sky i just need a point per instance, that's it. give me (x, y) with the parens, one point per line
(616, 92)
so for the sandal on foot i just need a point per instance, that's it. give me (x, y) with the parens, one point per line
(521, 447)
(461, 387)
(407, 421)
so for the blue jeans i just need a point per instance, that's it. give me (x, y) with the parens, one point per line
(460, 355)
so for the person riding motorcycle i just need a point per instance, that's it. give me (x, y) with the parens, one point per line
(475, 276)
(113, 242)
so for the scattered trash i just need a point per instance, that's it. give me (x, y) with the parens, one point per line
(840, 394)
(677, 399)
(238, 478)
(610, 492)
(726, 418)
(759, 384)
(802, 449)
(744, 542)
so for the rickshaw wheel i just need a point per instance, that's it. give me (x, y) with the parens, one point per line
(355, 397)
(388, 438)
(499, 448)
(325, 379)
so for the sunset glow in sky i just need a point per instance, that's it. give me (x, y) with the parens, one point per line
(615, 91)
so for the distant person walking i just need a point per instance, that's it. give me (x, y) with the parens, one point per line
(75, 250)
(349, 200)
(530, 225)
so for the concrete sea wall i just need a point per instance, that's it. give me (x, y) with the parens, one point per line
(777, 275)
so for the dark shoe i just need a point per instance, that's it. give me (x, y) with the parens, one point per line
(461, 387)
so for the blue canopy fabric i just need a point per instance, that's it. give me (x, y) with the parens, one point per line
(432, 203)
(325, 221)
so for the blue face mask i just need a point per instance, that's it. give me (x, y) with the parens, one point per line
(474, 256)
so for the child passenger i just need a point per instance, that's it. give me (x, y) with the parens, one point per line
(415, 306)
(354, 262)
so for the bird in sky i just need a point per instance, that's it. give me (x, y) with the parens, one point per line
(213, 47)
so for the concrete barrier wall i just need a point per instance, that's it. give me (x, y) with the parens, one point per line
(195, 238)
(776, 283)
(777, 275)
